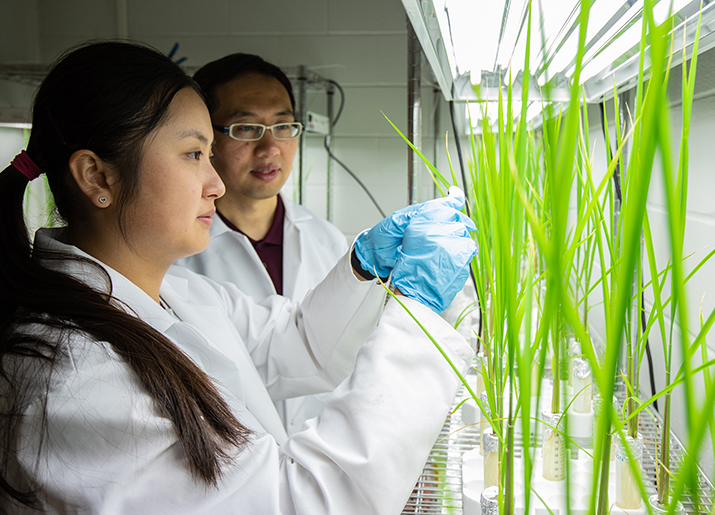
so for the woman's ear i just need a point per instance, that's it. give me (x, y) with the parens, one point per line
(94, 177)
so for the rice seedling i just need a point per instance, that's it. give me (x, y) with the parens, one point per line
(538, 268)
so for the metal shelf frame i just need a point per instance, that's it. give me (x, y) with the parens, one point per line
(439, 488)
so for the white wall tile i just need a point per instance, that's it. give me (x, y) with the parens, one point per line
(17, 97)
(53, 46)
(271, 16)
(88, 18)
(369, 160)
(12, 141)
(18, 38)
(364, 108)
(174, 19)
(366, 15)
(350, 59)
(351, 201)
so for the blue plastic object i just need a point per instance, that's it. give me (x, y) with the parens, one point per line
(433, 262)
(377, 249)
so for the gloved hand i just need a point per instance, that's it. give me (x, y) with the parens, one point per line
(433, 262)
(377, 249)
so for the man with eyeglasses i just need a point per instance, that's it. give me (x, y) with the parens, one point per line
(260, 241)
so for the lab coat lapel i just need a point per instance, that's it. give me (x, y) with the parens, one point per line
(292, 257)
(293, 248)
(221, 352)
(236, 251)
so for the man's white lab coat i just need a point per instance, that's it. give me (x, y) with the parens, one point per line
(311, 247)
(107, 450)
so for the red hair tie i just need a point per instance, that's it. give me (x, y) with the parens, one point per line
(26, 166)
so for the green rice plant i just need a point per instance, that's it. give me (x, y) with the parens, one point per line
(535, 269)
(676, 201)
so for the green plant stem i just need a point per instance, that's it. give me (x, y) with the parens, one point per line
(663, 483)
(603, 504)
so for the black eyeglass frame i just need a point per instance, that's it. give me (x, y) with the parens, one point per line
(226, 129)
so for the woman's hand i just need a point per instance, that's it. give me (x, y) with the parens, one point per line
(433, 261)
(377, 249)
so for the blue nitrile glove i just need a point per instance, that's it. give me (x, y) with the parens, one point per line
(377, 249)
(433, 263)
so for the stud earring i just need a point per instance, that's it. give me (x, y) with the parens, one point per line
(102, 200)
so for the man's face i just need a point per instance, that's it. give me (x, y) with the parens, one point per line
(253, 169)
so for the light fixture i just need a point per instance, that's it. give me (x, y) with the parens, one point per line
(475, 112)
(484, 43)
(564, 55)
(474, 49)
(16, 125)
(612, 49)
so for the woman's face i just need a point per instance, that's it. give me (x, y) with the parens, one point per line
(171, 215)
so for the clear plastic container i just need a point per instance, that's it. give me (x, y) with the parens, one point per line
(553, 447)
(485, 416)
(573, 348)
(663, 508)
(490, 501)
(597, 408)
(628, 495)
(582, 386)
(480, 378)
(491, 457)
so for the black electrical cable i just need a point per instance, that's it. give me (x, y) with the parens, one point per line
(459, 155)
(619, 196)
(326, 144)
(647, 352)
(617, 171)
(342, 102)
(469, 211)
(332, 156)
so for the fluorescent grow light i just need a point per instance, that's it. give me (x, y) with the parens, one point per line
(563, 55)
(469, 43)
(475, 112)
(15, 125)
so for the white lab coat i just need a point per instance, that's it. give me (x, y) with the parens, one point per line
(311, 247)
(106, 449)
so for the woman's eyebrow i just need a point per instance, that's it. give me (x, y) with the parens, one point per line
(194, 133)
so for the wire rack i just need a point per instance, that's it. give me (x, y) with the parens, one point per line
(439, 488)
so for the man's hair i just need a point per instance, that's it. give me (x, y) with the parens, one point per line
(213, 75)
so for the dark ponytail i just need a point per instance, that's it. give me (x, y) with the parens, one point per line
(106, 97)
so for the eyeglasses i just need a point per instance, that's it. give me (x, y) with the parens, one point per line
(255, 131)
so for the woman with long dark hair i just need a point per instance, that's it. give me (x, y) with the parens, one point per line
(131, 386)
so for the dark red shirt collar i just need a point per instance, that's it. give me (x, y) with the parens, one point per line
(275, 232)
(270, 248)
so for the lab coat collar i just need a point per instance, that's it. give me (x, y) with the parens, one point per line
(218, 227)
(123, 289)
(228, 365)
(294, 214)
